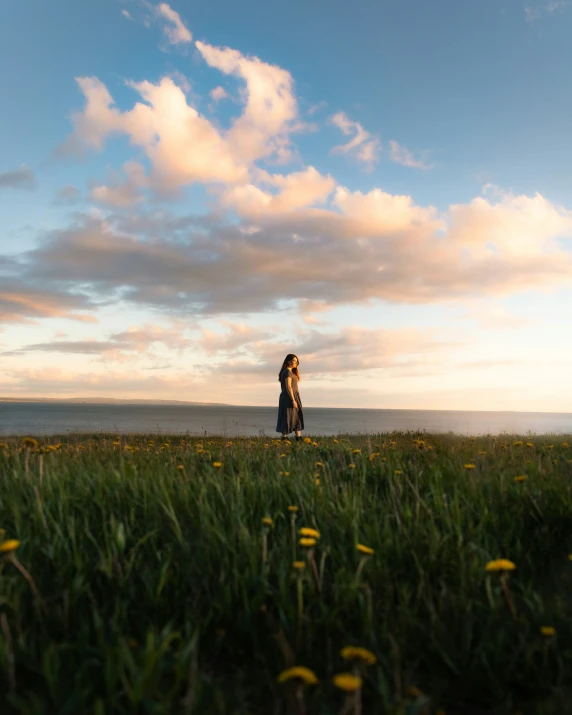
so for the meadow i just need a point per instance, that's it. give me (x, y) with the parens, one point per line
(403, 573)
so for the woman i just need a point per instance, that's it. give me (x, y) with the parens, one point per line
(290, 415)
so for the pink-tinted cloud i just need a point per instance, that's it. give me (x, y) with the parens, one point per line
(401, 155)
(174, 28)
(362, 145)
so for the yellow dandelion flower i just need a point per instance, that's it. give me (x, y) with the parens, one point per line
(365, 550)
(356, 451)
(180, 466)
(267, 521)
(307, 543)
(348, 682)
(299, 565)
(351, 652)
(317, 482)
(284, 474)
(298, 672)
(336, 441)
(521, 478)
(564, 444)
(217, 464)
(482, 452)
(500, 565)
(307, 440)
(393, 444)
(373, 456)
(548, 630)
(282, 456)
(3, 445)
(315, 444)
(293, 508)
(529, 444)
(8, 546)
(517, 444)
(307, 531)
(319, 464)
(30, 442)
(351, 466)
(398, 472)
(469, 466)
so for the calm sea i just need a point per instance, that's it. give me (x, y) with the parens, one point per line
(41, 418)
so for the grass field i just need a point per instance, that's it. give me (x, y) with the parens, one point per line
(156, 575)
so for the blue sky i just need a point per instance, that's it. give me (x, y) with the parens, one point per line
(451, 104)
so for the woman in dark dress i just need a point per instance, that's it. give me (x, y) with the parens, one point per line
(290, 415)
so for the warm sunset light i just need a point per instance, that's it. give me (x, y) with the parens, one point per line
(210, 187)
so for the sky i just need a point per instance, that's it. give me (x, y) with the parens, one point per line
(191, 190)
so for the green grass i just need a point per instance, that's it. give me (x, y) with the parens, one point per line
(153, 595)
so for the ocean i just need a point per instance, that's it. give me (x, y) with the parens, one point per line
(45, 418)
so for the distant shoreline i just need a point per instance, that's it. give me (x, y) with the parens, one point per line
(111, 401)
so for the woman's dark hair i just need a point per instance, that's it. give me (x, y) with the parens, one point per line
(295, 370)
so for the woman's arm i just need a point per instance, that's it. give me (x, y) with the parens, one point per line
(291, 392)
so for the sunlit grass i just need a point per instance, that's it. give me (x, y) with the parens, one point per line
(157, 574)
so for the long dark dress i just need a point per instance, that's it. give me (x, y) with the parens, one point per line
(289, 419)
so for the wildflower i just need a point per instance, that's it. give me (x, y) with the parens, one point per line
(282, 456)
(307, 543)
(3, 445)
(356, 451)
(299, 565)
(307, 440)
(180, 466)
(517, 444)
(482, 452)
(348, 682)
(315, 444)
(319, 464)
(522, 478)
(284, 474)
(30, 442)
(6, 547)
(267, 521)
(564, 444)
(529, 444)
(373, 456)
(398, 472)
(548, 631)
(365, 550)
(298, 672)
(469, 466)
(317, 481)
(393, 444)
(500, 565)
(351, 652)
(351, 466)
(293, 509)
(217, 464)
(335, 441)
(307, 531)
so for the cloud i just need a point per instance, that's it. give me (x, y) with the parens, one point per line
(218, 93)
(122, 194)
(362, 146)
(134, 340)
(491, 317)
(67, 195)
(296, 190)
(532, 13)
(174, 29)
(183, 146)
(22, 178)
(271, 106)
(126, 14)
(401, 155)
(361, 248)
(28, 303)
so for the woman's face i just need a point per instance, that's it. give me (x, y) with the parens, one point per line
(294, 362)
